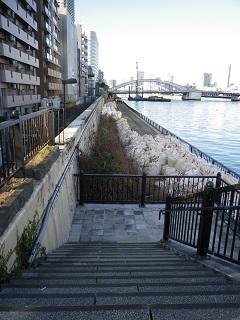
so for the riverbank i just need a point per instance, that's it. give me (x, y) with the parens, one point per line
(156, 154)
(209, 125)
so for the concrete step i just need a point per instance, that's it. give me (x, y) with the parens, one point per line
(172, 288)
(150, 312)
(123, 299)
(123, 259)
(166, 273)
(199, 312)
(110, 255)
(160, 279)
(119, 281)
(154, 298)
(178, 262)
(79, 270)
(77, 312)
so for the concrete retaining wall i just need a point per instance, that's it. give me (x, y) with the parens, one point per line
(77, 135)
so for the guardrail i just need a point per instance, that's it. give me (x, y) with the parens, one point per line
(192, 149)
(208, 221)
(142, 189)
(21, 139)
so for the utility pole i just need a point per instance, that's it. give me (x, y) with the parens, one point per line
(137, 79)
(229, 75)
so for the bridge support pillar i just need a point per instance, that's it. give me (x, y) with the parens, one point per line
(192, 95)
(235, 98)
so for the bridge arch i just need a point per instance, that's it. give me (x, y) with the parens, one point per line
(165, 85)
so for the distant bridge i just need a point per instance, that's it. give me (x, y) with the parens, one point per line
(168, 87)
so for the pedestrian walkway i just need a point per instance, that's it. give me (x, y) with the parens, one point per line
(121, 223)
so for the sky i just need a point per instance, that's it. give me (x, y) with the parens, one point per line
(180, 38)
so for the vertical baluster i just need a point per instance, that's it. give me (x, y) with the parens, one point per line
(229, 221)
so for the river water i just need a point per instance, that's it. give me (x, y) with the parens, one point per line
(213, 126)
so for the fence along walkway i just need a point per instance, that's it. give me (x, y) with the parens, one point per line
(107, 188)
(22, 138)
(208, 221)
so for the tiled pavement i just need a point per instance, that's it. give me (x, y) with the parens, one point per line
(121, 223)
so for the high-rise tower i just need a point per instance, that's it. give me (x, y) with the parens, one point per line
(94, 53)
(70, 6)
(207, 79)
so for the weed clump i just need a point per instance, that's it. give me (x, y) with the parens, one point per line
(107, 155)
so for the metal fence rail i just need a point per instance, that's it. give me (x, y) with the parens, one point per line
(21, 139)
(8, 158)
(108, 188)
(208, 221)
(192, 149)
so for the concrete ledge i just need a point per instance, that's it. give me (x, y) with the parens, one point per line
(39, 171)
(9, 210)
(230, 270)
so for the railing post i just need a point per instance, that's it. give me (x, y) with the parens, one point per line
(205, 220)
(167, 218)
(51, 128)
(143, 191)
(218, 185)
(81, 188)
(218, 180)
(19, 145)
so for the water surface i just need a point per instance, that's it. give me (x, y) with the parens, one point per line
(213, 126)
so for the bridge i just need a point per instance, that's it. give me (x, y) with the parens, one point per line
(158, 86)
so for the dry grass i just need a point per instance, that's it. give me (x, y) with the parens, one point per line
(107, 154)
(40, 156)
(10, 188)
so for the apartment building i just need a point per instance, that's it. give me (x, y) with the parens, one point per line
(82, 41)
(49, 52)
(19, 64)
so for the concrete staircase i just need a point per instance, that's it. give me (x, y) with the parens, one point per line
(106, 281)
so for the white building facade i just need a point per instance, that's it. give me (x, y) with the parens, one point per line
(68, 36)
(94, 52)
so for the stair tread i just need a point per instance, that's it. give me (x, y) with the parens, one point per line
(97, 313)
(132, 273)
(114, 281)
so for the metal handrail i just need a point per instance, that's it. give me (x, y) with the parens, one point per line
(208, 221)
(192, 148)
(48, 210)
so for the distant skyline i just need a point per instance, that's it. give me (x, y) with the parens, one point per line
(182, 38)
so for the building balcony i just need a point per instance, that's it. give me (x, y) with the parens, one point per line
(48, 42)
(55, 86)
(17, 101)
(23, 14)
(48, 27)
(54, 73)
(56, 49)
(13, 29)
(48, 12)
(15, 54)
(32, 4)
(18, 77)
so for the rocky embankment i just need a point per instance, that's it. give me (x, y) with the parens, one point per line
(159, 154)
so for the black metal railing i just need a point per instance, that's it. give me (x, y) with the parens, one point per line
(192, 149)
(112, 188)
(22, 138)
(208, 221)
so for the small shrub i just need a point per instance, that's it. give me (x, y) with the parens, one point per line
(4, 258)
(25, 244)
